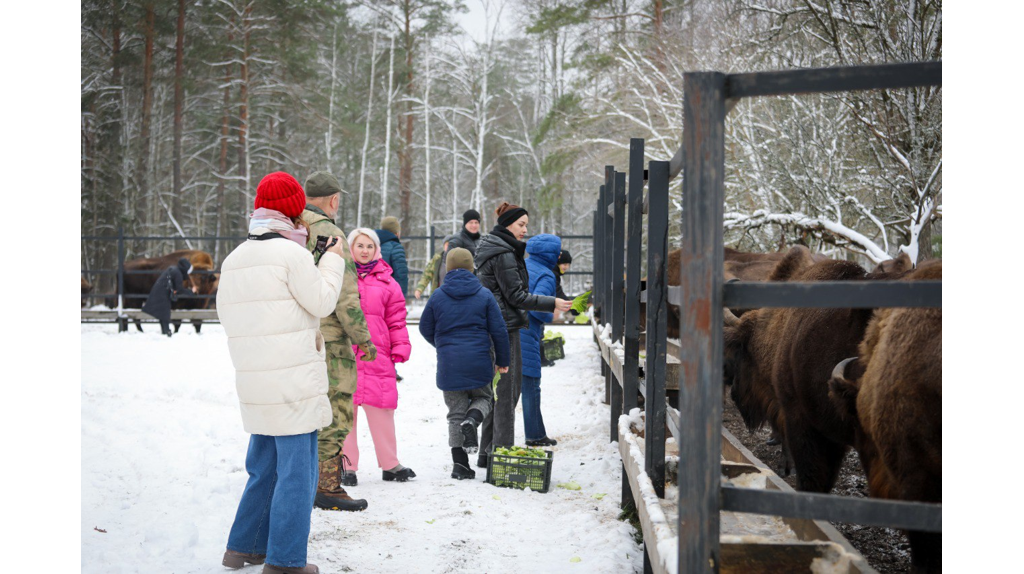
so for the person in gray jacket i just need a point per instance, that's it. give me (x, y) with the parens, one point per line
(501, 268)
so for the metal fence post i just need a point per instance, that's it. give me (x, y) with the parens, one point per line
(657, 325)
(631, 331)
(122, 321)
(700, 384)
(433, 235)
(618, 288)
(631, 318)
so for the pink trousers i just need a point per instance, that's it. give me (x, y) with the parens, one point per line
(382, 429)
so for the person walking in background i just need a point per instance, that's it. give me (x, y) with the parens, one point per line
(431, 273)
(377, 390)
(467, 238)
(272, 296)
(463, 322)
(343, 328)
(392, 251)
(502, 269)
(544, 251)
(168, 287)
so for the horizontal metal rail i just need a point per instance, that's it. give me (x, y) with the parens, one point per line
(824, 294)
(833, 294)
(879, 77)
(864, 511)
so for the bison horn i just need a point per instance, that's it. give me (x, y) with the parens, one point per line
(730, 319)
(839, 373)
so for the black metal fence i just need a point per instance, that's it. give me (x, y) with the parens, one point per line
(701, 296)
(108, 283)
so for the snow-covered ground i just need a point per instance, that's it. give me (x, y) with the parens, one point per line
(163, 455)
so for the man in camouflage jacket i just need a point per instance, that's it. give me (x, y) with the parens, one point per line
(341, 329)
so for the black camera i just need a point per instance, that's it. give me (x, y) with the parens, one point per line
(322, 245)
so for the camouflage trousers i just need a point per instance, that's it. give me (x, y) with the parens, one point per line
(331, 439)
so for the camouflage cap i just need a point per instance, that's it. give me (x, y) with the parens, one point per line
(322, 184)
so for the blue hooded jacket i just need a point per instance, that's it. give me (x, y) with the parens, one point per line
(392, 252)
(462, 321)
(543, 250)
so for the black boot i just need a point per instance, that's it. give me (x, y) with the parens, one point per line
(542, 442)
(481, 460)
(403, 474)
(461, 470)
(469, 442)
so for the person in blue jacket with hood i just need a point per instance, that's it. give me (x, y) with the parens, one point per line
(393, 253)
(463, 322)
(543, 251)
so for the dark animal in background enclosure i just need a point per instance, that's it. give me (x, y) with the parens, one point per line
(86, 289)
(738, 265)
(891, 394)
(137, 286)
(779, 360)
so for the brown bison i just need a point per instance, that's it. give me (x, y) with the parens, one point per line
(892, 396)
(86, 289)
(778, 362)
(739, 265)
(138, 286)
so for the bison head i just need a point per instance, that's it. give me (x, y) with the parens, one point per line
(751, 390)
(843, 388)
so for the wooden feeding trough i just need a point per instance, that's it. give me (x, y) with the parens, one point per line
(748, 542)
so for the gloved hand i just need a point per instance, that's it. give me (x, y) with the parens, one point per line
(369, 352)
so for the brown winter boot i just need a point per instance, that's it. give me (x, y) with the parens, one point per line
(329, 493)
(236, 560)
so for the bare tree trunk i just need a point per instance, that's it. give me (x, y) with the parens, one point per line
(243, 114)
(179, 99)
(225, 131)
(387, 132)
(142, 172)
(405, 155)
(366, 135)
(426, 129)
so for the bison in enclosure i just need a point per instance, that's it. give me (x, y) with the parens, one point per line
(137, 286)
(86, 289)
(778, 361)
(891, 394)
(739, 266)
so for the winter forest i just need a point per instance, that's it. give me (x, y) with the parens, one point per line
(185, 105)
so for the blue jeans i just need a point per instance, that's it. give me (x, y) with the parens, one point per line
(533, 421)
(273, 515)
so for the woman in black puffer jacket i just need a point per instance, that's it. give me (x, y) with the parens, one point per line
(501, 268)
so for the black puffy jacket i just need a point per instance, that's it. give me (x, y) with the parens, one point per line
(461, 239)
(503, 271)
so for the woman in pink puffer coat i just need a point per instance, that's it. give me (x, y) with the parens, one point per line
(377, 389)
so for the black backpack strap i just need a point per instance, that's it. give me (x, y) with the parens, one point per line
(266, 236)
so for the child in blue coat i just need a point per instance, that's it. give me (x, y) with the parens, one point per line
(463, 322)
(543, 250)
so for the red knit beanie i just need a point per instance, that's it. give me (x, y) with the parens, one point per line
(281, 192)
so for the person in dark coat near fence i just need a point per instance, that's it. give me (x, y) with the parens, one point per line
(168, 287)
(543, 250)
(467, 238)
(462, 320)
(501, 268)
(393, 253)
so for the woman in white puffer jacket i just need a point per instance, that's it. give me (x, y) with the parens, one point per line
(270, 300)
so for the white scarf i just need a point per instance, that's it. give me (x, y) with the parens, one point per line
(265, 220)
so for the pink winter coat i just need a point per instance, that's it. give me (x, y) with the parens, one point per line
(384, 307)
